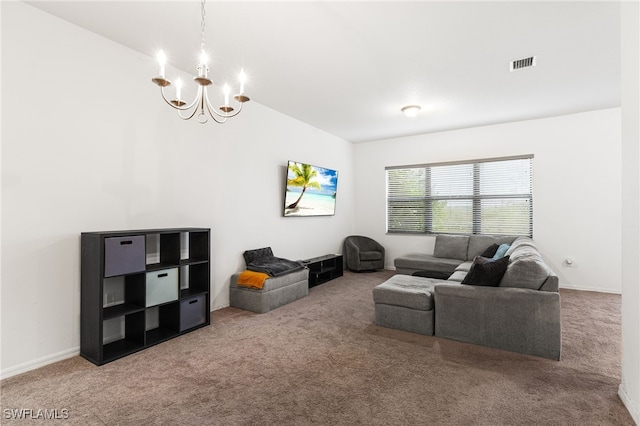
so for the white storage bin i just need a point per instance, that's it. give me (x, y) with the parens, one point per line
(162, 286)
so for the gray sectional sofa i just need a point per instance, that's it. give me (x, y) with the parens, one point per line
(520, 313)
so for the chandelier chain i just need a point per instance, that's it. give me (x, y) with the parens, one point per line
(202, 10)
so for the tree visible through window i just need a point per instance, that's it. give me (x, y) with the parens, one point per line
(492, 196)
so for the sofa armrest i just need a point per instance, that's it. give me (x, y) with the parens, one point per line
(515, 319)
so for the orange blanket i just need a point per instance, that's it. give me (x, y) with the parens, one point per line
(252, 279)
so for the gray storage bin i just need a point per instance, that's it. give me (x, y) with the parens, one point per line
(124, 255)
(162, 286)
(193, 311)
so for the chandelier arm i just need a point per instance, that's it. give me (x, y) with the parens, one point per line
(202, 92)
(224, 116)
(187, 117)
(182, 108)
(236, 111)
(212, 112)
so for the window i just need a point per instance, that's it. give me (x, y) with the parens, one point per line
(492, 196)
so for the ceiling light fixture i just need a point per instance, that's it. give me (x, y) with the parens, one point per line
(201, 102)
(411, 110)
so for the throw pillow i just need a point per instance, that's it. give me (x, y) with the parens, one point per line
(502, 250)
(251, 255)
(490, 251)
(486, 272)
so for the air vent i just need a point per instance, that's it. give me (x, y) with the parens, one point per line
(519, 64)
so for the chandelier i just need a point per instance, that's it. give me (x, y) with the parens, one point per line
(201, 103)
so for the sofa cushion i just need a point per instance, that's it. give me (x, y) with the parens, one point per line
(460, 272)
(407, 291)
(486, 272)
(520, 242)
(370, 255)
(457, 276)
(525, 273)
(464, 266)
(426, 262)
(526, 269)
(432, 274)
(451, 246)
(251, 255)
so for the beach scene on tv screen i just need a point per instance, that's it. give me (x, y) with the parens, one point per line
(311, 190)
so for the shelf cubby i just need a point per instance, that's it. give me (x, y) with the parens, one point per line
(132, 339)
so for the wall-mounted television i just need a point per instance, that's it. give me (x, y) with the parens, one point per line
(310, 190)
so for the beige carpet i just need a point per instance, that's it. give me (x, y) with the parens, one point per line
(322, 360)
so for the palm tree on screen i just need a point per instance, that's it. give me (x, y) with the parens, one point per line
(304, 174)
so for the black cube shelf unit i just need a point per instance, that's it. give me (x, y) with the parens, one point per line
(324, 268)
(140, 288)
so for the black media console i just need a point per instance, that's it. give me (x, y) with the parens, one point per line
(323, 268)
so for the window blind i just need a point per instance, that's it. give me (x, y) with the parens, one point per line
(492, 196)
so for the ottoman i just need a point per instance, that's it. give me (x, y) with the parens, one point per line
(277, 291)
(405, 302)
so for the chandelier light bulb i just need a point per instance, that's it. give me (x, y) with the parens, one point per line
(202, 67)
(162, 60)
(178, 88)
(243, 80)
(227, 90)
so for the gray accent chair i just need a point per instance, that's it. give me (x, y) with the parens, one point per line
(362, 253)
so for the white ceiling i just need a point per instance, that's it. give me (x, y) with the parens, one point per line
(348, 67)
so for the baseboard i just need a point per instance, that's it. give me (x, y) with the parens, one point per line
(598, 290)
(633, 410)
(37, 363)
(217, 308)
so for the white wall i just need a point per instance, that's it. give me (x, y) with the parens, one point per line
(88, 145)
(629, 390)
(576, 188)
